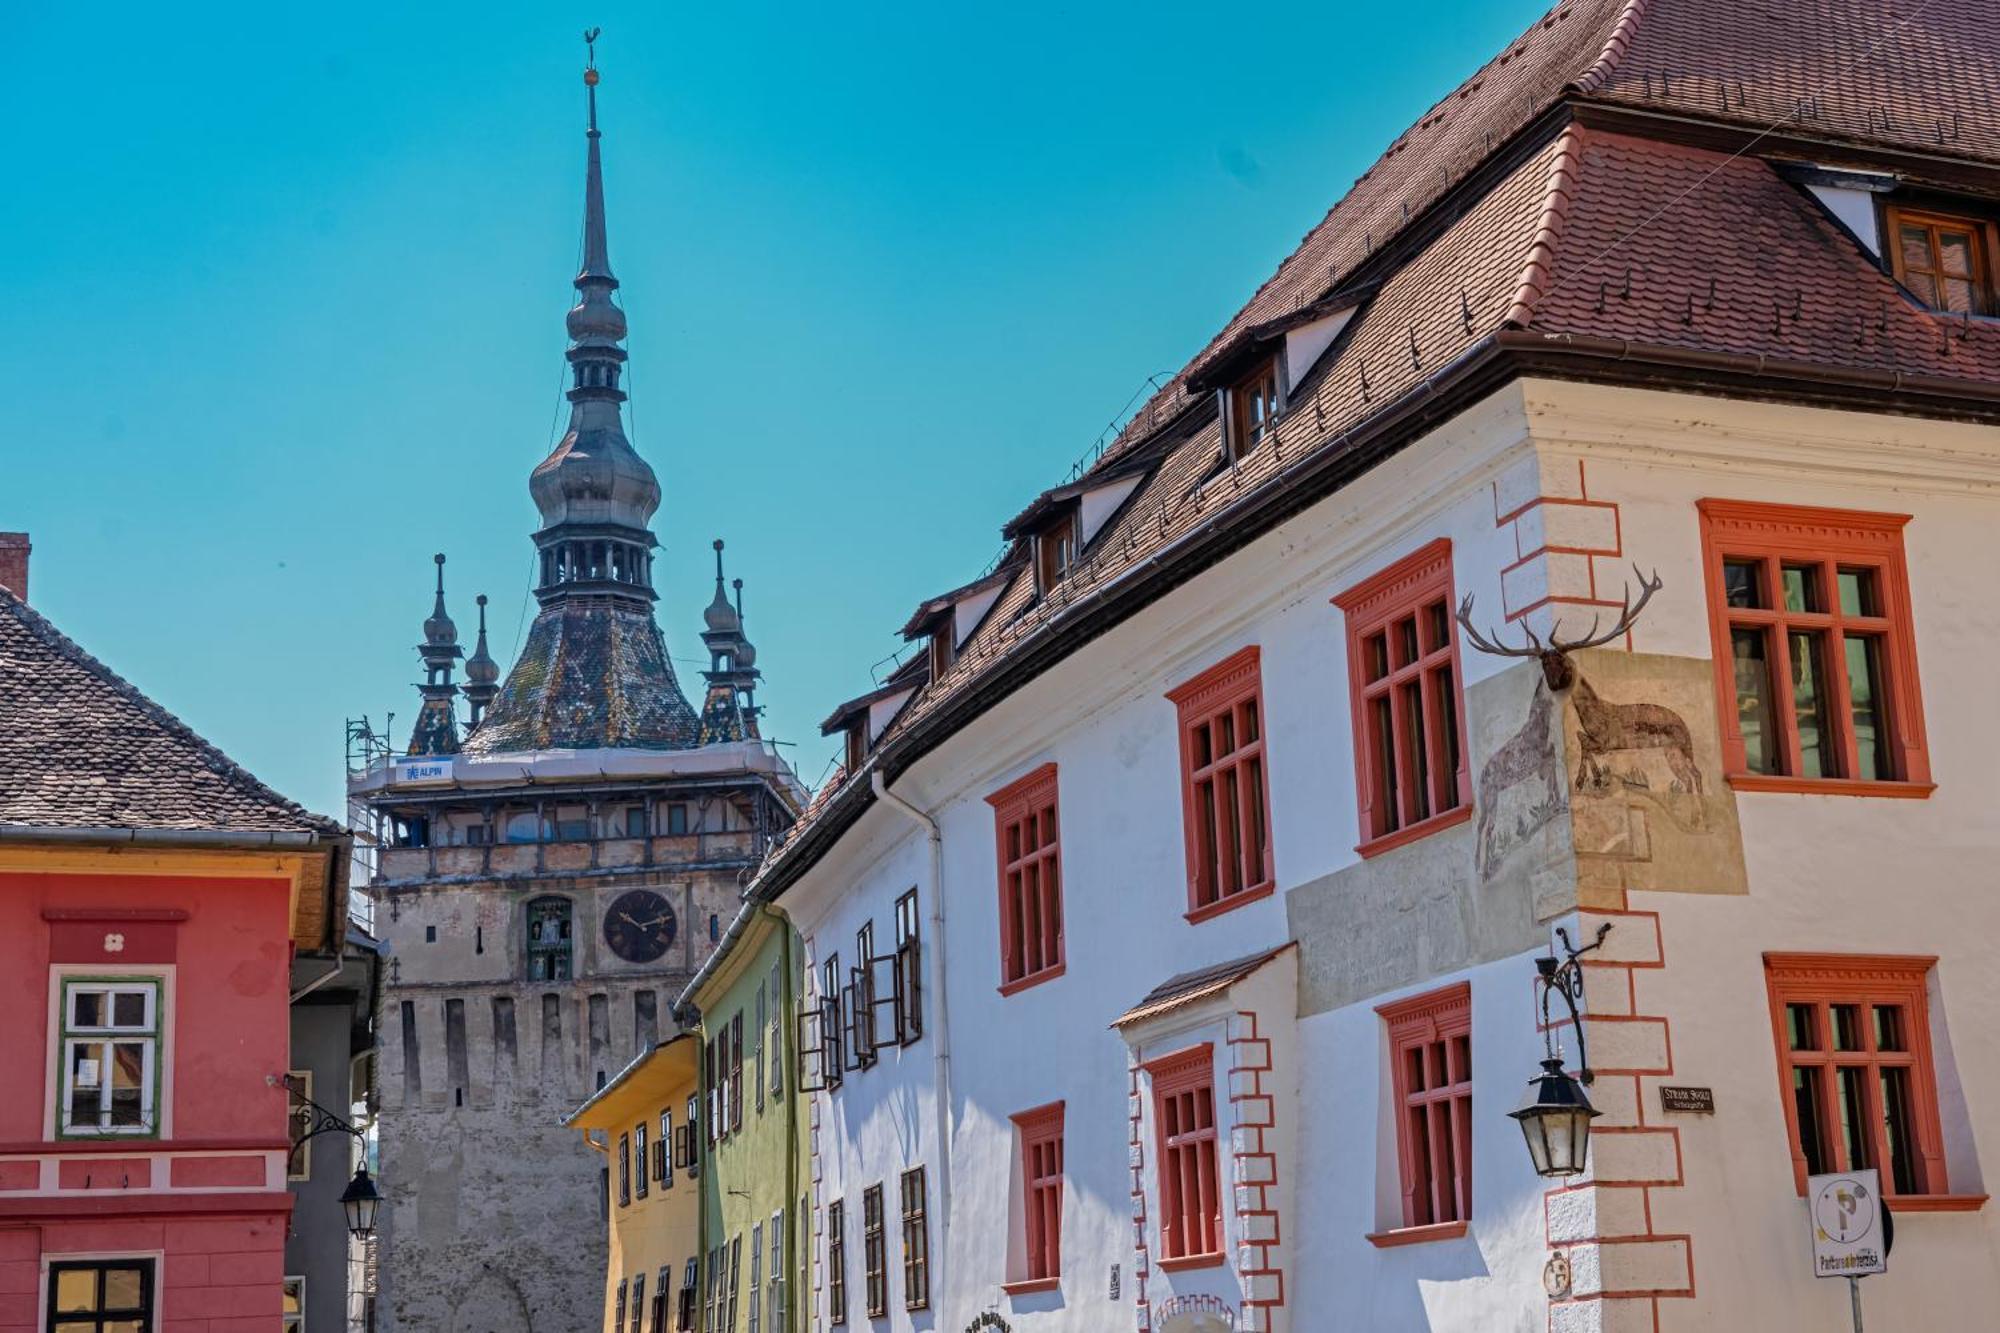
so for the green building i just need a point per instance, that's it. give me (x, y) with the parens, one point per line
(754, 1213)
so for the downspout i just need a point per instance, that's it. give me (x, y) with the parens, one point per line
(797, 1243)
(940, 1003)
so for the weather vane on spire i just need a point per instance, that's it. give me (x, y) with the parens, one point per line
(590, 71)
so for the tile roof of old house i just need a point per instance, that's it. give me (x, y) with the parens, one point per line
(81, 748)
(1595, 202)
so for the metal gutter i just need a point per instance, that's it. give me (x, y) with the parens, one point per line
(243, 839)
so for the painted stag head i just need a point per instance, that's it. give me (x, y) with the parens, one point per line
(1557, 669)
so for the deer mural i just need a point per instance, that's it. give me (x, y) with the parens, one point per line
(1533, 753)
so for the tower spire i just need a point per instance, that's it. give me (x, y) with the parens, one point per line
(436, 731)
(596, 259)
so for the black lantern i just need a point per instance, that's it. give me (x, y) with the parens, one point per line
(1555, 1118)
(1556, 1114)
(360, 1200)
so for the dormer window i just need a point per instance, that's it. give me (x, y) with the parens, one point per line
(943, 647)
(1944, 259)
(857, 743)
(1253, 409)
(1055, 552)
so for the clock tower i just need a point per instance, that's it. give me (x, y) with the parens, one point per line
(550, 874)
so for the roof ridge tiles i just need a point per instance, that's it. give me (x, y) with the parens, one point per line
(1615, 46)
(44, 632)
(1537, 273)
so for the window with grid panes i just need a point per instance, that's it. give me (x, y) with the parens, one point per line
(1430, 1055)
(736, 1071)
(874, 1252)
(1253, 409)
(110, 1045)
(684, 1310)
(1225, 813)
(1855, 1068)
(639, 1303)
(756, 1276)
(618, 1311)
(836, 1262)
(1030, 857)
(775, 1292)
(916, 1242)
(757, 1041)
(1943, 258)
(641, 1164)
(735, 1282)
(909, 970)
(662, 1294)
(664, 1151)
(1040, 1133)
(1816, 666)
(775, 1035)
(1189, 1167)
(1055, 551)
(624, 1170)
(1411, 774)
(101, 1296)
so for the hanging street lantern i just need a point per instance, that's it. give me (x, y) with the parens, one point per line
(1555, 1116)
(360, 1200)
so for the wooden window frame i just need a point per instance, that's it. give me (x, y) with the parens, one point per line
(1058, 543)
(874, 1253)
(663, 1286)
(756, 1276)
(1262, 383)
(641, 1165)
(1984, 237)
(909, 966)
(624, 1170)
(1775, 535)
(1029, 806)
(777, 1314)
(1039, 1139)
(942, 647)
(618, 1311)
(689, 1294)
(911, 1188)
(735, 1292)
(1231, 689)
(150, 1034)
(1866, 980)
(1407, 590)
(736, 1071)
(836, 1262)
(1187, 1073)
(758, 1027)
(1426, 1026)
(144, 1313)
(639, 1303)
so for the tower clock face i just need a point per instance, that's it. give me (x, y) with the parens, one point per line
(639, 926)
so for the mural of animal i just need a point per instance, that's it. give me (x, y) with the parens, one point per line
(1605, 728)
(1529, 755)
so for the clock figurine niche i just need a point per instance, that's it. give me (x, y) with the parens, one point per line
(639, 926)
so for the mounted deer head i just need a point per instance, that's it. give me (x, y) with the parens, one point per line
(1557, 669)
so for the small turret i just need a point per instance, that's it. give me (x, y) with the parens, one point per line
(729, 713)
(436, 731)
(482, 673)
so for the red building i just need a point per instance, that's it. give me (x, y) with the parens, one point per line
(152, 894)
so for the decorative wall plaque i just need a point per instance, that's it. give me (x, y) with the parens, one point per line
(1692, 1101)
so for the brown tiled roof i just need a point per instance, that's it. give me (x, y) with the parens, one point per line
(1186, 988)
(1566, 243)
(80, 748)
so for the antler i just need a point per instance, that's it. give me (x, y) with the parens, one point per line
(1486, 644)
(1626, 617)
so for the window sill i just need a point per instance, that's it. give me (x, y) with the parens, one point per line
(1187, 1261)
(1030, 1285)
(1936, 1203)
(1384, 1240)
(1914, 791)
(1209, 911)
(1421, 829)
(1033, 979)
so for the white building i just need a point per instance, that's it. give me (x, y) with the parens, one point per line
(1177, 912)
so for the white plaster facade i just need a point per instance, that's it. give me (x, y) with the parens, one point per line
(1718, 1238)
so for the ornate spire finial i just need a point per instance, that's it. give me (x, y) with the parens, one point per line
(482, 673)
(738, 585)
(720, 615)
(590, 73)
(437, 728)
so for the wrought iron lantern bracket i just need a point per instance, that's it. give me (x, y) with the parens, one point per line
(1564, 976)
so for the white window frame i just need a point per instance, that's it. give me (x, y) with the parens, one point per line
(295, 1322)
(156, 1077)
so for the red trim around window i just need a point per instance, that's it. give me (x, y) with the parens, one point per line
(1771, 555)
(1430, 1058)
(1853, 1039)
(1041, 1139)
(1411, 774)
(1225, 793)
(1028, 838)
(1189, 1167)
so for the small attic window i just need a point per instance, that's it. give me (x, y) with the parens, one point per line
(1945, 259)
(1253, 409)
(1055, 552)
(857, 743)
(943, 646)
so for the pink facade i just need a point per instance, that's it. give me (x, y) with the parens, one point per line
(143, 1128)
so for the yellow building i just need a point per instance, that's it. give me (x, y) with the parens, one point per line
(642, 1122)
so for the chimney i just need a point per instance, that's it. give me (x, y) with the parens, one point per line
(14, 548)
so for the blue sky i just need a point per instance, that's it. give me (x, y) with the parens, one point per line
(281, 297)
